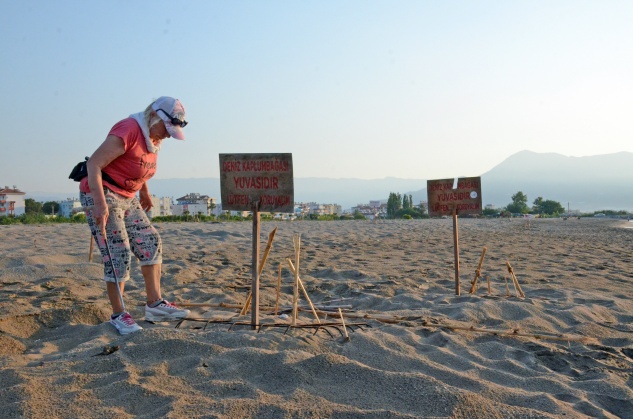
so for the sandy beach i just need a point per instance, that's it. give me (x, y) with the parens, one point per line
(415, 349)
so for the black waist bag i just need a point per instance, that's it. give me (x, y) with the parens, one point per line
(80, 171)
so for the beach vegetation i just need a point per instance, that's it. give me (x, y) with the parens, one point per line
(394, 203)
(518, 204)
(41, 218)
(359, 216)
(50, 208)
(547, 207)
(491, 212)
(32, 207)
(610, 213)
(399, 205)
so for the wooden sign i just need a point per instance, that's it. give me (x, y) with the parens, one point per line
(445, 195)
(264, 179)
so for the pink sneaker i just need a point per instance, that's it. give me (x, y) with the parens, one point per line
(164, 311)
(125, 324)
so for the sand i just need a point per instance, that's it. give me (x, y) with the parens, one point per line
(577, 276)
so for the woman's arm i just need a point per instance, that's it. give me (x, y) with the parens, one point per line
(109, 150)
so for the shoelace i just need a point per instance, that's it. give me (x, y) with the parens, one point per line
(169, 305)
(127, 319)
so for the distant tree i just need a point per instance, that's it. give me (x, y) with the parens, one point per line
(50, 208)
(394, 203)
(422, 210)
(519, 204)
(359, 216)
(32, 207)
(490, 212)
(537, 205)
(550, 207)
(406, 202)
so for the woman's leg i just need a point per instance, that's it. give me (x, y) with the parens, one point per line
(117, 247)
(148, 248)
(151, 275)
(147, 245)
(113, 295)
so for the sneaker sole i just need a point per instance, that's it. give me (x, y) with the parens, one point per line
(127, 332)
(154, 318)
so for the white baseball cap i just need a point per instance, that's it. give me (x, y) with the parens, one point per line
(172, 113)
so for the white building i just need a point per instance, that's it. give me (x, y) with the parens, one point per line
(11, 201)
(161, 207)
(318, 209)
(70, 207)
(193, 204)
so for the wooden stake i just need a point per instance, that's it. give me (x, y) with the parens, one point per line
(255, 267)
(514, 279)
(507, 288)
(278, 290)
(456, 250)
(489, 289)
(92, 246)
(344, 328)
(478, 271)
(296, 240)
(305, 293)
(269, 245)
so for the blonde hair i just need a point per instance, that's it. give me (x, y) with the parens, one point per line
(147, 115)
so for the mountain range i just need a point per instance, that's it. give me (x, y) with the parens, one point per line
(591, 183)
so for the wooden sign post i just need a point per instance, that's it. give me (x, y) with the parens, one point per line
(452, 197)
(456, 250)
(256, 182)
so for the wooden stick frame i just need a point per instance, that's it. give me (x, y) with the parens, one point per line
(424, 323)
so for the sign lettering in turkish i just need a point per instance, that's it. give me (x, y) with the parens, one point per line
(246, 179)
(445, 194)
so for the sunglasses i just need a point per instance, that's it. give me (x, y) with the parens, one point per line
(175, 121)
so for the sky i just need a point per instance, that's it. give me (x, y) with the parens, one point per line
(353, 89)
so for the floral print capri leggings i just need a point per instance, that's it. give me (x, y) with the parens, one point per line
(128, 230)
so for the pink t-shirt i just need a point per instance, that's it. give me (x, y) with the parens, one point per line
(134, 167)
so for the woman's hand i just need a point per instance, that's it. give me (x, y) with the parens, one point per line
(101, 214)
(145, 198)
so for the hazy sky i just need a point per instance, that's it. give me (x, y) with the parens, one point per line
(359, 89)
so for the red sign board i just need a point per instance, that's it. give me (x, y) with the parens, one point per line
(267, 179)
(446, 194)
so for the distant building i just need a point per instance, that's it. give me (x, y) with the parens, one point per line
(11, 201)
(318, 209)
(193, 204)
(161, 207)
(375, 209)
(70, 207)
